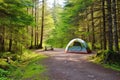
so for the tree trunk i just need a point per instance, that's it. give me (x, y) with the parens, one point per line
(31, 38)
(93, 32)
(35, 23)
(32, 32)
(118, 19)
(42, 25)
(88, 30)
(2, 42)
(104, 25)
(37, 36)
(88, 27)
(3, 39)
(115, 25)
(37, 19)
(101, 34)
(110, 33)
(10, 44)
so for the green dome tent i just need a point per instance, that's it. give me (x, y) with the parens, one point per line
(77, 46)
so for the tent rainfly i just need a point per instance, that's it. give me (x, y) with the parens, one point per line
(77, 46)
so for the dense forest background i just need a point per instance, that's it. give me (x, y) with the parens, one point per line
(95, 21)
(34, 24)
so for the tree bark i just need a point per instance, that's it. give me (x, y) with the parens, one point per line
(35, 24)
(104, 26)
(10, 44)
(115, 25)
(110, 33)
(101, 35)
(37, 19)
(3, 41)
(32, 32)
(42, 25)
(93, 31)
(0, 43)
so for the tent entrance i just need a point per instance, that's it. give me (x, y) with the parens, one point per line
(76, 44)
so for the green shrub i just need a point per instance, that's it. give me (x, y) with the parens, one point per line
(108, 58)
(25, 65)
(4, 74)
(5, 54)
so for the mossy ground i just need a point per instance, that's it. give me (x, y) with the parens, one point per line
(112, 62)
(27, 67)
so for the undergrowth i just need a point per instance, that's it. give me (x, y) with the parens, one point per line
(108, 59)
(22, 67)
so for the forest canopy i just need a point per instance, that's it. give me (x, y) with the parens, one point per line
(57, 25)
(90, 20)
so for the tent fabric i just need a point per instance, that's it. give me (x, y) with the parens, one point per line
(77, 45)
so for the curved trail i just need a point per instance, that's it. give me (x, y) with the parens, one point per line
(68, 66)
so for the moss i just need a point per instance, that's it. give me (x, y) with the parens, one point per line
(26, 66)
(109, 59)
(29, 66)
(3, 64)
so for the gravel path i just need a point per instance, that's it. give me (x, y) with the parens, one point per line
(69, 66)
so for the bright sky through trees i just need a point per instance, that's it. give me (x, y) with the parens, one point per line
(50, 2)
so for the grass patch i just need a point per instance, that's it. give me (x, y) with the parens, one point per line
(112, 66)
(26, 67)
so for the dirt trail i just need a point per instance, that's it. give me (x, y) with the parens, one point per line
(68, 66)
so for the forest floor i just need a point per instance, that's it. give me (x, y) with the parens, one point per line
(70, 66)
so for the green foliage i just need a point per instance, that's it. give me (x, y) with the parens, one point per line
(68, 25)
(33, 69)
(109, 59)
(4, 55)
(4, 74)
(112, 66)
(100, 56)
(29, 66)
(24, 67)
(15, 12)
(14, 19)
